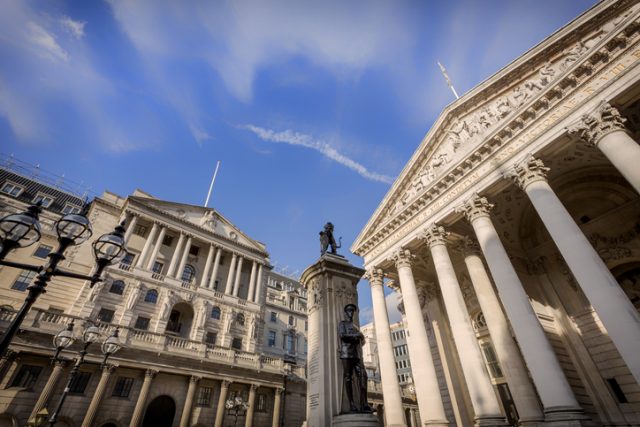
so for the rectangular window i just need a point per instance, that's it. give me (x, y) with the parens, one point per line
(262, 403)
(105, 315)
(70, 209)
(128, 259)
(491, 359)
(274, 316)
(211, 338)
(44, 200)
(236, 344)
(27, 376)
(167, 241)
(292, 321)
(290, 344)
(11, 189)
(157, 267)
(79, 383)
(123, 387)
(142, 323)
(204, 396)
(42, 251)
(302, 306)
(140, 230)
(24, 280)
(271, 340)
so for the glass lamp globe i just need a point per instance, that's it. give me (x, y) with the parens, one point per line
(110, 248)
(23, 229)
(91, 334)
(74, 227)
(64, 338)
(228, 404)
(111, 344)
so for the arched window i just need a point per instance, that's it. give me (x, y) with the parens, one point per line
(117, 287)
(240, 318)
(151, 296)
(188, 274)
(215, 313)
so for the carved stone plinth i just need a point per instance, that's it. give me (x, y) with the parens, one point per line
(355, 420)
(331, 284)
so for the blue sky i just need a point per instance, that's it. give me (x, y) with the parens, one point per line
(312, 107)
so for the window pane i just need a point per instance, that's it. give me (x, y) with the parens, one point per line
(151, 296)
(27, 376)
(142, 323)
(42, 251)
(117, 287)
(237, 343)
(211, 338)
(215, 313)
(24, 280)
(105, 315)
(157, 267)
(204, 396)
(188, 274)
(79, 383)
(128, 259)
(123, 387)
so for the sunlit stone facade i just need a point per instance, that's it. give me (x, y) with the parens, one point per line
(188, 300)
(513, 236)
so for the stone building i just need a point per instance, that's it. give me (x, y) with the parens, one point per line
(400, 352)
(513, 236)
(187, 299)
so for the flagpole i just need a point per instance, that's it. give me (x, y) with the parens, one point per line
(446, 77)
(215, 173)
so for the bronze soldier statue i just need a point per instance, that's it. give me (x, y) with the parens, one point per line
(351, 340)
(327, 240)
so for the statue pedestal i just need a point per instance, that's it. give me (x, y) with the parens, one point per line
(355, 420)
(331, 285)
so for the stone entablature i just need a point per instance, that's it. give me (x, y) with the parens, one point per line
(552, 101)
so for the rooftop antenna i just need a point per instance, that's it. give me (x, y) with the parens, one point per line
(446, 77)
(215, 172)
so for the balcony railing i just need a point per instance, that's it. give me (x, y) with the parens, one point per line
(42, 321)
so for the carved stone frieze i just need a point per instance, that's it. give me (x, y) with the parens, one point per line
(316, 295)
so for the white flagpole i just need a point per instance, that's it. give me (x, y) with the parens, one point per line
(206, 202)
(446, 77)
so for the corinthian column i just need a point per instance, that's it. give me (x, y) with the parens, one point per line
(176, 256)
(554, 390)
(511, 362)
(45, 394)
(256, 297)
(275, 421)
(131, 225)
(232, 267)
(602, 290)
(605, 129)
(252, 281)
(251, 409)
(183, 261)
(224, 389)
(236, 284)
(156, 248)
(188, 402)
(424, 373)
(483, 397)
(147, 245)
(136, 418)
(391, 393)
(98, 395)
(216, 265)
(207, 266)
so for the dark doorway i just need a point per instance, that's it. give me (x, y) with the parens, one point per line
(160, 412)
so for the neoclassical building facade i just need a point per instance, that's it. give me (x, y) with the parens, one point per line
(188, 302)
(513, 235)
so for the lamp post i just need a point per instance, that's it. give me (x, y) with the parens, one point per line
(23, 229)
(236, 404)
(90, 335)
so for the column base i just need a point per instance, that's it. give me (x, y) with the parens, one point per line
(355, 420)
(491, 421)
(563, 416)
(436, 423)
(531, 422)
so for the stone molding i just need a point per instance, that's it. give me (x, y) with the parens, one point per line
(527, 172)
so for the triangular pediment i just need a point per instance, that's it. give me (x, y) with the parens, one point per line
(487, 111)
(207, 219)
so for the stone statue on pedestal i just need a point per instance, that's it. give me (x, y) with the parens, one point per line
(351, 340)
(327, 240)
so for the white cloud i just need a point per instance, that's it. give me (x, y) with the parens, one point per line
(294, 138)
(45, 43)
(392, 300)
(75, 28)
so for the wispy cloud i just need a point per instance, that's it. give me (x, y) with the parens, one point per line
(392, 300)
(75, 28)
(295, 138)
(45, 43)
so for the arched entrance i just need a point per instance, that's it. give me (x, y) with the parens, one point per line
(160, 412)
(180, 320)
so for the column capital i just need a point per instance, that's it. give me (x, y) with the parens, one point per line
(434, 235)
(375, 276)
(593, 127)
(402, 258)
(527, 172)
(254, 387)
(475, 207)
(109, 368)
(279, 390)
(150, 373)
(194, 379)
(59, 362)
(225, 383)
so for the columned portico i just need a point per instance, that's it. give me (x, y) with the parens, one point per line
(188, 401)
(147, 246)
(175, 259)
(52, 382)
(511, 363)
(606, 130)
(138, 411)
(204, 282)
(156, 248)
(232, 268)
(252, 404)
(216, 266)
(483, 398)
(252, 281)
(612, 305)
(393, 414)
(236, 283)
(277, 402)
(130, 224)
(224, 389)
(557, 397)
(256, 297)
(98, 395)
(426, 382)
(183, 260)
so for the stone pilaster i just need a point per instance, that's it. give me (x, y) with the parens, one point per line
(45, 394)
(277, 403)
(251, 403)
(224, 389)
(188, 402)
(138, 411)
(98, 395)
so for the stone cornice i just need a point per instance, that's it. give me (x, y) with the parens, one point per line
(517, 129)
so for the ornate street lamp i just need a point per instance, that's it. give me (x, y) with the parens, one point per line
(23, 229)
(90, 335)
(236, 404)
